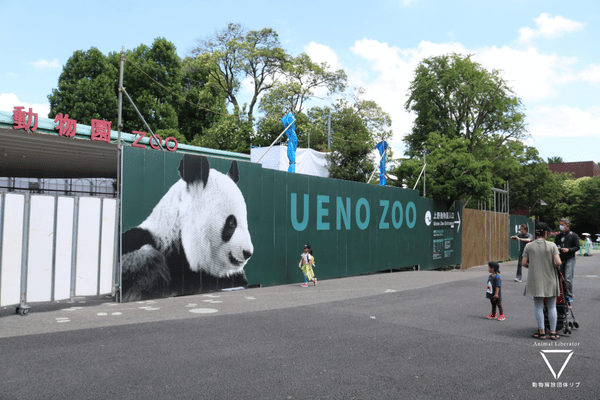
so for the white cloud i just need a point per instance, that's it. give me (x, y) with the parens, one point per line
(247, 86)
(563, 121)
(321, 53)
(45, 64)
(532, 75)
(387, 77)
(549, 27)
(591, 74)
(8, 101)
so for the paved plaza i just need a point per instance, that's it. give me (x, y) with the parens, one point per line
(411, 334)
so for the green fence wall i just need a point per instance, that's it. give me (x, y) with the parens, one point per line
(353, 228)
(515, 222)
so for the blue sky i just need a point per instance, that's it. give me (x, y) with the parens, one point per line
(546, 50)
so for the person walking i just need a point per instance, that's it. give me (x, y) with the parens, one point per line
(568, 245)
(306, 263)
(523, 237)
(587, 245)
(542, 259)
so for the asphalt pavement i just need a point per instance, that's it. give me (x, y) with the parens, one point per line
(412, 334)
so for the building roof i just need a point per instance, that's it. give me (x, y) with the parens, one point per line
(577, 169)
(46, 154)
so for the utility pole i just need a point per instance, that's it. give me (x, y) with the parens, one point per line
(118, 249)
(119, 124)
(424, 171)
(328, 130)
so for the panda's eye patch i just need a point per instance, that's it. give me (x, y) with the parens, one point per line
(229, 228)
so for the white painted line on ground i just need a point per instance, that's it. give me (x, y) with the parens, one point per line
(390, 291)
(210, 295)
(250, 298)
(203, 310)
(192, 305)
(116, 313)
(101, 314)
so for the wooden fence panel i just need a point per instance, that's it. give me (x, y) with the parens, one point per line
(485, 237)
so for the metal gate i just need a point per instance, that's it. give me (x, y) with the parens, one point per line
(55, 247)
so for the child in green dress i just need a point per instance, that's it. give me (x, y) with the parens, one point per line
(307, 260)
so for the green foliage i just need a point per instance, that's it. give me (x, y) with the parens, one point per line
(352, 145)
(204, 104)
(470, 124)
(230, 134)
(269, 128)
(237, 54)
(301, 79)
(575, 199)
(317, 127)
(152, 78)
(555, 160)
(85, 89)
(536, 182)
(451, 170)
(165, 133)
(174, 95)
(584, 200)
(587, 205)
(454, 96)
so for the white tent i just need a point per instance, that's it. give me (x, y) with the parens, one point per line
(308, 161)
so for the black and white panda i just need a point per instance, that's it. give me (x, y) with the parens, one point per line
(196, 238)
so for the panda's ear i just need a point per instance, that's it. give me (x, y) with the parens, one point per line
(194, 168)
(233, 173)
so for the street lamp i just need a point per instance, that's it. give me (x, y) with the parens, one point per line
(542, 203)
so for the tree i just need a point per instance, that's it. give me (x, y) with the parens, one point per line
(153, 79)
(377, 121)
(535, 183)
(86, 89)
(230, 134)
(352, 145)
(239, 54)
(450, 172)
(585, 201)
(555, 160)
(470, 123)
(269, 128)
(204, 105)
(302, 79)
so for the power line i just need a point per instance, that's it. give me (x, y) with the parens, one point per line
(333, 136)
(173, 93)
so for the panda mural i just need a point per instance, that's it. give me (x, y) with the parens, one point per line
(195, 239)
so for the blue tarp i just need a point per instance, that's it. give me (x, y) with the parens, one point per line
(292, 140)
(382, 147)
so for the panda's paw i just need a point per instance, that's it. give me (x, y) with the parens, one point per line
(145, 274)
